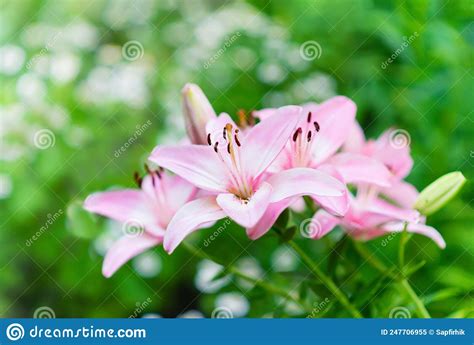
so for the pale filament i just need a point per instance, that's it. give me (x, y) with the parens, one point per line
(233, 163)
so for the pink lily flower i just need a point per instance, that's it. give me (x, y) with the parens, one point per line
(233, 168)
(320, 133)
(145, 214)
(392, 149)
(370, 216)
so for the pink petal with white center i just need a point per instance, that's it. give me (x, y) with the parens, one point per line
(418, 228)
(126, 206)
(402, 193)
(198, 164)
(322, 223)
(262, 144)
(356, 168)
(304, 181)
(268, 219)
(355, 140)
(191, 217)
(246, 213)
(335, 118)
(126, 248)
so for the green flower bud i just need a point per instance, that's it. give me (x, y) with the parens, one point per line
(439, 192)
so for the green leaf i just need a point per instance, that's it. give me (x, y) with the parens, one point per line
(438, 193)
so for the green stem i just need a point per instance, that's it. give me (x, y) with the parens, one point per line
(377, 264)
(372, 259)
(414, 297)
(327, 281)
(404, 281)
(232, 269)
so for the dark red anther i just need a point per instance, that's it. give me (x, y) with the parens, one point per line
(215, 146)
(209, 139)
(157, 172)
(223, 132)
(308, 119)
(228, 148)
(309, 136)
(316, 126)
(298, 131)
(137, 178)
(236, 139)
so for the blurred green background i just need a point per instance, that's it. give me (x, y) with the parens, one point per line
(73, 92)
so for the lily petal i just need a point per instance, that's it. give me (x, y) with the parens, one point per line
(356, 168)
(264, 113)
(382, 207)
(356, 139)
(323, 223)
(395, 155)
(127, 205)
(268, 219)
(266, 140)
(248, 213)
(335, 118)
(178, 191)
(196, 163)
(418, 228)
(191, 217)
(403, 193)
(336, 205)
(304, 181)
(126, 248)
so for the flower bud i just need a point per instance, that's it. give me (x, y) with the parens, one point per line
(197, 112)
(438, 193)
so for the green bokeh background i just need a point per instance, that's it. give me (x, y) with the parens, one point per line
(63, 69)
